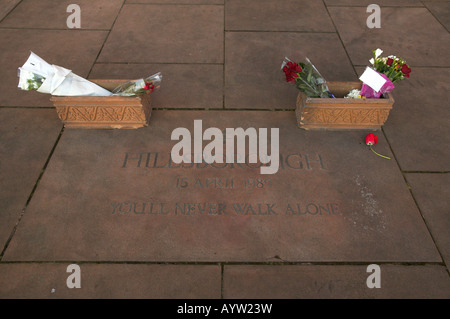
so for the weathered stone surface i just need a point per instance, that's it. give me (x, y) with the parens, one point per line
(99, 14)
(401, 34)
(48, 281)
(6, 7)
(26, 140)
(166, 34)
(182, 86)
(75, 50)
(418, 126)
(267, 15)
(433, 198)
(177, 1)
(334, 281)
(383, 3)
(253, 76)
(441, 10)
(114, 195)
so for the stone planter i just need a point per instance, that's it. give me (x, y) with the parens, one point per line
(341, 113)
(118, 112)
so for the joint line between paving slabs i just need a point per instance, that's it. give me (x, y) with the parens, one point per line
(339, 36)
(106, 39)
(439, 21)
(31, 194)
(232, 263)
(223, 57)
(412, 195)
(221, 280)
(218, 109)
(1, 20)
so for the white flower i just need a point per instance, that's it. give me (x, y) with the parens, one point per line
(378, 52)
(23, 78)
(372, 61)
(353, 94)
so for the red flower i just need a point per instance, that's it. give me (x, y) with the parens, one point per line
(371, 139)
(406, 70)
(291, 71)
(149, 86)
(389, 61)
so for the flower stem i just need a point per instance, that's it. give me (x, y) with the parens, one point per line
(379, 154)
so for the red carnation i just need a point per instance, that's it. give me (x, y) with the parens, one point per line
(389, 61)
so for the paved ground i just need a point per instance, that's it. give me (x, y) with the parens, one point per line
(140, 226)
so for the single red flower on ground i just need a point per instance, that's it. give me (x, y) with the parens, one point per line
(371, 139)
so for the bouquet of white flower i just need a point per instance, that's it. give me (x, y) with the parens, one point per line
(38, 75)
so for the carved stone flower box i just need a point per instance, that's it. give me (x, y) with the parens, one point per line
(112, 112)
(342, 113)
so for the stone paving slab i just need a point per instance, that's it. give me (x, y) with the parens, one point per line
(267, 15)
(334, 281)
(253, 76)
(166, 34)
(6, 7)
(183, 85)
(383, 3)
(110, 281)
(402, 33)
(176, 1)
(99, 14)
(441, 11)
(432, 195)
(418, 127)
(73, 49)
(26, 140)
(116, 196)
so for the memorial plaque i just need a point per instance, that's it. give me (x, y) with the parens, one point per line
(119, 195)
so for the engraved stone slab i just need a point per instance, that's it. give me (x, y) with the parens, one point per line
(48, 280)
(334, 281)
(116, 195)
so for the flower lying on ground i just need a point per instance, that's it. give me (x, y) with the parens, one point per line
(372, 139)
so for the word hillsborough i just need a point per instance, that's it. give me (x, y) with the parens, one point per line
(214, 151)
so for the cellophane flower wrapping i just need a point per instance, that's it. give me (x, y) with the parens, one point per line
(139, 87)
(370, 93)
(392, 68)
(306, 78)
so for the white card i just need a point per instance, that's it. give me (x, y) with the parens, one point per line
(373, 79)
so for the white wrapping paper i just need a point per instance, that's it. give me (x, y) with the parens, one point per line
(58, 81)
